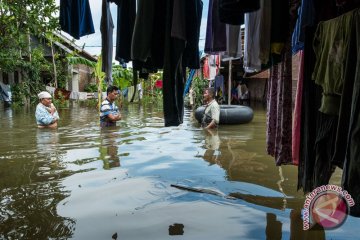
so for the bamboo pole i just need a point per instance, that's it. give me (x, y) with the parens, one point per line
(54, 63)
(229, 82)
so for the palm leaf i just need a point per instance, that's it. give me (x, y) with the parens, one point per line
(81, 60)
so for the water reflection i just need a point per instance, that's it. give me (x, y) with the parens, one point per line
(52, 180)
(212, 144)
(212, 139)
(47, 141)
(29, 179)
(316, 232)
(109, 147)
(229, 150)
(273, 227)
(29, 212)
(7, 114)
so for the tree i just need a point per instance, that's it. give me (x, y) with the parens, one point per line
(19, 18)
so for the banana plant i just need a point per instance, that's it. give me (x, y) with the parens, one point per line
(122, 77)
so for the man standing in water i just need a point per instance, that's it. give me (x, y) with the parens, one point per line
(46, 114)
(212, 110)
(109, 112)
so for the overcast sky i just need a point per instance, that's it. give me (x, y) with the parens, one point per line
(93, 41)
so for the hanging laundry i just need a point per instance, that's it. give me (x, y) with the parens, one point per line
(257, 31)
(331, 48)
(297, 112)
(174, 72)
(347, 147)
(189, 81)
(164, 29)
(215, 41)
(75, 18)
(279, 28)
(148, 40)
(219, 84)
(306, 17)
(126, 13)
(331, 45)
(279, 110)
(317, 129)
(279, 102)
(191, 55)
(233, 43)
(257, 38)
(106, 28)
(265, 32)
(213, 67)
(5, 93)
(206, 68)
(232, 11)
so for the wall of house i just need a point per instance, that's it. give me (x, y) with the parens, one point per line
(80, 77)
(257, 89)
(84, 77)
(257, 85)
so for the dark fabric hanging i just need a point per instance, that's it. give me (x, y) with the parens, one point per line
(147, 49)
(126, 14)
(106, 28)
(311, 101)
(279, 29)
(143, 30)
(174, 73)
(351, 171)
(232, 11)
(75, 18)
(318, 131)
(215, 41)
(191, 56)
(164, 31)
(324, 148)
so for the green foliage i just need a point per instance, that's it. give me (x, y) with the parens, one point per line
(19, 18)
(198, 86)
(26, 91)
(89, 103)
(90, 88)
(80, 60)
(153, 95)
(61, 102)
(122, 77)
(62, 72)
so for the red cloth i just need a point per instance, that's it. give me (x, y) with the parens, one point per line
(206, 69)
(158, 84)
(297, 114)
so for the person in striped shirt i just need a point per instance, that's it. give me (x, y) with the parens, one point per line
(109, 112)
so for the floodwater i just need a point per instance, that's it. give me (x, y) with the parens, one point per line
(81, 182)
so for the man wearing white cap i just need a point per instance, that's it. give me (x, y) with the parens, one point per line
(46, 113)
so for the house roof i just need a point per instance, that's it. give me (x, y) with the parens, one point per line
(263, 74)
(69, 46)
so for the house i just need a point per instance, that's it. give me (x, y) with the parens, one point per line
(78, 76)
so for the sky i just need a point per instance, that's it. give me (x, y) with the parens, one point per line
(92, 42)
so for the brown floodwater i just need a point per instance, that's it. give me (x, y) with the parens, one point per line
(141, 180)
